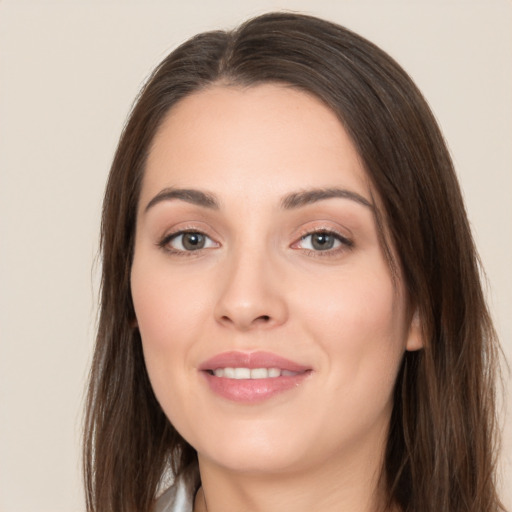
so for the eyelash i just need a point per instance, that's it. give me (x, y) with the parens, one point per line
(344, 243)
(167, 239)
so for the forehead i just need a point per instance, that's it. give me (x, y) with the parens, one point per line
(269, 137)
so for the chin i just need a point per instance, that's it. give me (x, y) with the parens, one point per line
(257, 449)
(262, 461)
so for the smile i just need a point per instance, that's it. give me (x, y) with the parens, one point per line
(252, 377)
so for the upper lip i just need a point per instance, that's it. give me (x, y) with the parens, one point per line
(251, 360)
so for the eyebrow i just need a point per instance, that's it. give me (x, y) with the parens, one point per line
(303, 198)
(188, 195)
(289, 202)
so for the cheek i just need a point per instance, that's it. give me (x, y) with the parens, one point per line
(166, 307)
(169, 313)
(358, 319)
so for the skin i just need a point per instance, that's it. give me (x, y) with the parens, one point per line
(260, 284)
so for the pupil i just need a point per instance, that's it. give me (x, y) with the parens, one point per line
(193, 241)
(322, 241)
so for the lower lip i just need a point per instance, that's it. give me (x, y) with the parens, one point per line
(253, 390)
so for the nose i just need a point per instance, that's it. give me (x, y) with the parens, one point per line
(252, 295)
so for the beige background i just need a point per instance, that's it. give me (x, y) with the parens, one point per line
(69, 71)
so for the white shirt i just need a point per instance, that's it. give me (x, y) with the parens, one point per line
(175, 499)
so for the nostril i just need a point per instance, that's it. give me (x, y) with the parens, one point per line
(246, 322)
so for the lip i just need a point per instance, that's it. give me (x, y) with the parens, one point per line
(252, 390)
(251, 360)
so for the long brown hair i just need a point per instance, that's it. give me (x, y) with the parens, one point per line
(440, 454)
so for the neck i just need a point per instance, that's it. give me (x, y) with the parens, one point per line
(353, 486)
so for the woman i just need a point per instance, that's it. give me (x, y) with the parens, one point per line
(291, 313)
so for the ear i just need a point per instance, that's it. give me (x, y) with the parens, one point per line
(415, 336)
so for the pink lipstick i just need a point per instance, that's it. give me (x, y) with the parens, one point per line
(252, 377)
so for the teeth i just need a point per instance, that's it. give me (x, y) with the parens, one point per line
(265, 373)
(254, 373)
(274, 372)
(242, 373)
(229, 373)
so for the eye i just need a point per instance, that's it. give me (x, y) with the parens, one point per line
(187, 241)
(322, 241)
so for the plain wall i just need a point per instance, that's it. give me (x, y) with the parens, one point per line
(69, 71)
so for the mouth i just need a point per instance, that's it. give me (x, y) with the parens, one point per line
(252, 377)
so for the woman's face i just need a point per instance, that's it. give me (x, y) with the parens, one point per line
(272, 329)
